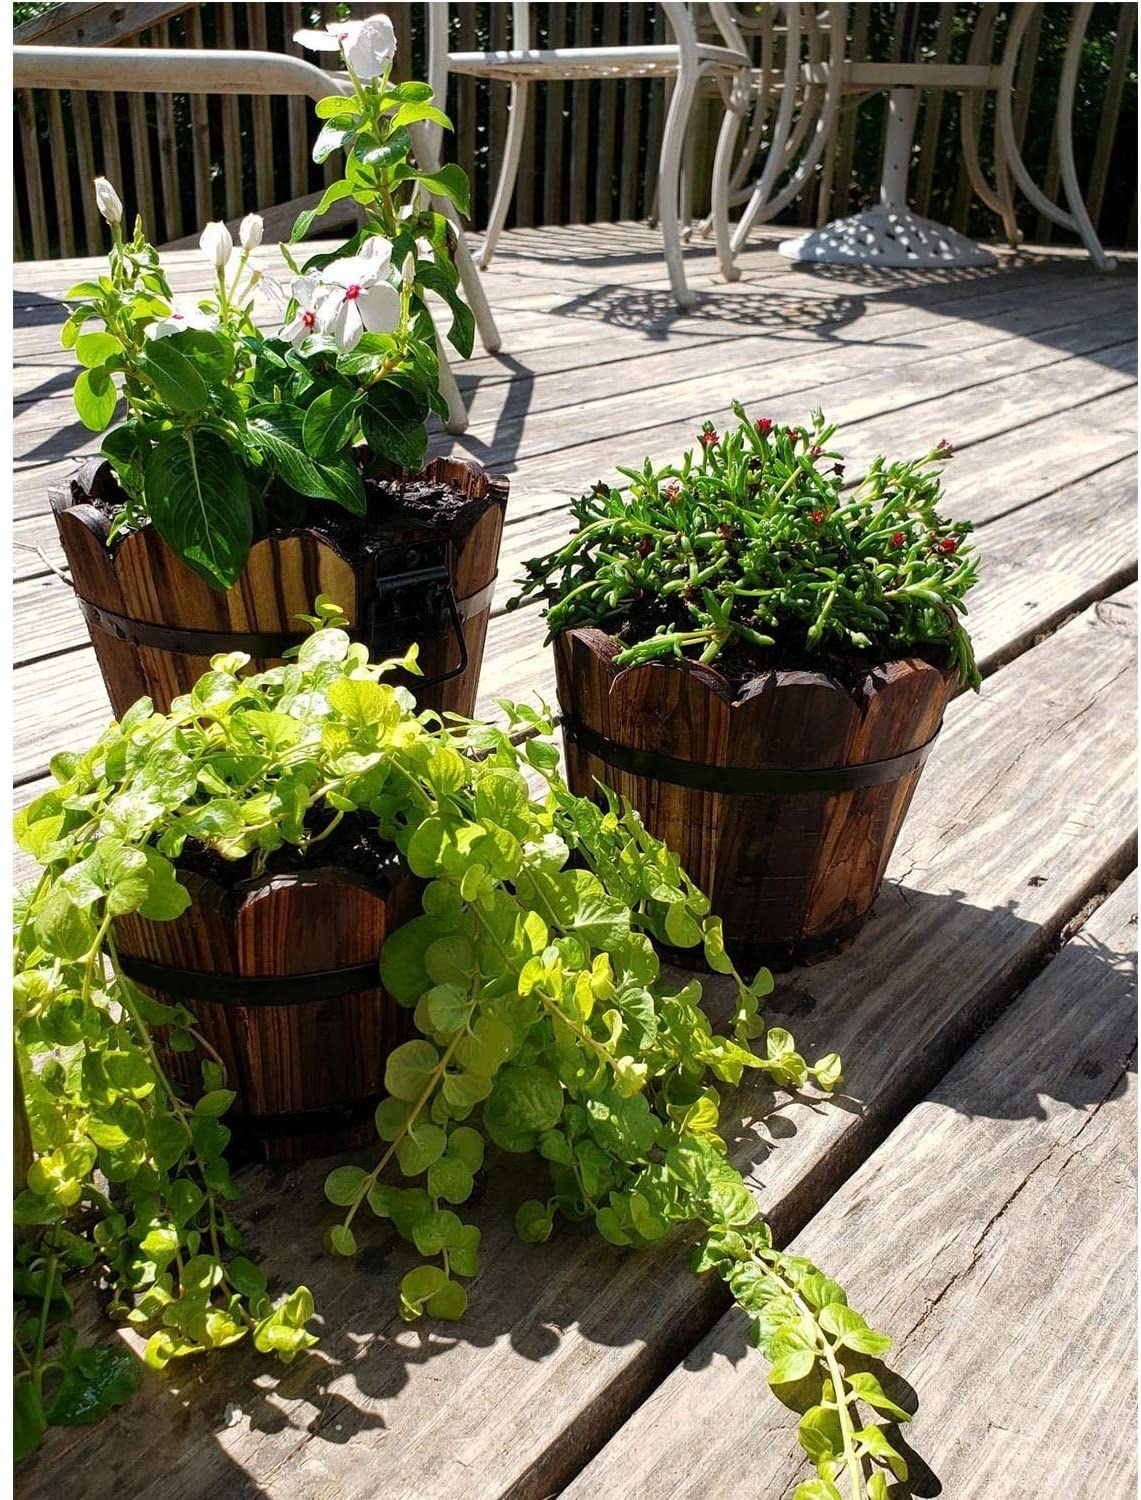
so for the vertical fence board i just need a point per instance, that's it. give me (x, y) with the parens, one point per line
(141, 163)
(232, 189)
(633, 94)
(933, 115)
(846, 149)
(580, 123)
(200, 131)
(1111, 110)
(85, 161)
(61, 177)
(110, 162)
(167, 152)
(554, 209)
(606, 118)
(33, 184)
(525, 189)
(298, 111)
(263, 124)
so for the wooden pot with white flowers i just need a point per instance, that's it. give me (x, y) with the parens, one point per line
(757, 655)
(273, 433)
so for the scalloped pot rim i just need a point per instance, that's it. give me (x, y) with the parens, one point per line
(605, 646)
(230, 900)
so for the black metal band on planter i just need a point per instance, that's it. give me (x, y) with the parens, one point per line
(251, 989)
(329, 1117)
(744, 781)
(383, 628)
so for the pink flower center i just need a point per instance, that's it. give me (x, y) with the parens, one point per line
(309, 318)
(353, 292)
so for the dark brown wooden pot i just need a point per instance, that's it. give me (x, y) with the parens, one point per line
(154, 624)
(281, 976)
(783, 802)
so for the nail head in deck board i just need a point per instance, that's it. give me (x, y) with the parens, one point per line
(562, 1342)
(992, 1234)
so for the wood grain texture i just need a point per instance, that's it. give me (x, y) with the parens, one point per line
(286, 1057)
(562, 1342)
(993, 1235)
(789, 872)
(142, 580)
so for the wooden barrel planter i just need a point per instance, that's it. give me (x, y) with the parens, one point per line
(783, 800)
(155, 625)
(281, 975)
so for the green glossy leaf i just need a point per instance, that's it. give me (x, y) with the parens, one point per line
(200, 505)
(95, 398)
(175, 378)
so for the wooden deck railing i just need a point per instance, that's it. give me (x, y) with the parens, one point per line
(592, 150)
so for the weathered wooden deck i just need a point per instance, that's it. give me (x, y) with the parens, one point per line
(973, 1188)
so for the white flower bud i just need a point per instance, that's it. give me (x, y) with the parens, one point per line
(408, 269)
(216, 244)
(251, 231)
(108, 201)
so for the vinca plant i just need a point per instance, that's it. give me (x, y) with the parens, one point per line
(754, 542)
(544, 1024)
(232, 429)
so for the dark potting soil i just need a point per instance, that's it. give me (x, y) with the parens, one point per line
(741, 663)
(397, 506)
(354, 845)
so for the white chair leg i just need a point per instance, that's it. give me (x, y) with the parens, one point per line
(669, 184)
(505, 187)
(721, 185)
(476, 295)
(456, 420)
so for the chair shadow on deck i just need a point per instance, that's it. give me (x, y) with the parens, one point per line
(351, 1384)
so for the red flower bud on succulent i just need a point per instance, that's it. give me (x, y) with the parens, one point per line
(645, 547)
(764, 426)
(793, 434)
(948, 544)
(817, 451)
(672, 492)
(897, 539)
(709, 438)
(944, 449)
(818, 516)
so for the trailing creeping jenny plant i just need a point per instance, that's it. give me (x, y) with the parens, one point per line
(545, 1025)
(231, 430)
(753, 541)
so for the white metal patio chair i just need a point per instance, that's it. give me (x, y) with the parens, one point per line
(805, 74)
(193, 71)
(687, 61)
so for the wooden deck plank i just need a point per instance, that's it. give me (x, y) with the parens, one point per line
(619, 404)
(993, 1234)
(562, 1342)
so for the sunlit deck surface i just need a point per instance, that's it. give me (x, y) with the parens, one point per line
(973, 1188)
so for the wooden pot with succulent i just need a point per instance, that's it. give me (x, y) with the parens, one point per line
(258, 468)
(759, 658)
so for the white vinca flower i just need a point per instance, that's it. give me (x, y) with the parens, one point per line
(107, 201)
(179, 319)
(216, 244)
(368, 46)
(251, 231)
(359, 299)
(308, 293)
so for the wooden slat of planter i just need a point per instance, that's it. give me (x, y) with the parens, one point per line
(562, 1342)
(993, 1235)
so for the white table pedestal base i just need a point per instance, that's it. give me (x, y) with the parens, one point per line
(889, 234)
(886, 237)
